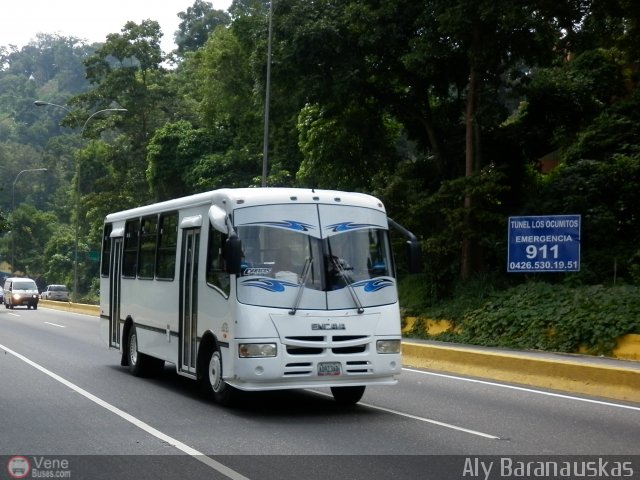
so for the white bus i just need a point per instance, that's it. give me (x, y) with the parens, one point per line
(255, 289)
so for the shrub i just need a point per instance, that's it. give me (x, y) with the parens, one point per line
(550, 317)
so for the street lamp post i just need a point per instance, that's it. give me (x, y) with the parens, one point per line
(13, 208)
(41, 103)
(77, 226)
(267, 97)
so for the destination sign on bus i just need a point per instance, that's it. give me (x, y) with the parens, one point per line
(544, 244)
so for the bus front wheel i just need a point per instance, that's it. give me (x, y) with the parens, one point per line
(213, 383)
(347, 395)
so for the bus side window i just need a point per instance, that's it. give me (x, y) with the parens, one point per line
(130, 257)
(106, 249)
(216, 269)
(167, 246)
(148, 239)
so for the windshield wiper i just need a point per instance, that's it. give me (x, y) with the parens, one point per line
(348, 280)
(302, 282)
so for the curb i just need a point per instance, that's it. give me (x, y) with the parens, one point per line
(586, 376)
(71, 307)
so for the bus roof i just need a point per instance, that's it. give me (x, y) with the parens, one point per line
(231, 198)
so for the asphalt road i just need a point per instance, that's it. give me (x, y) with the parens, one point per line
(65, 398)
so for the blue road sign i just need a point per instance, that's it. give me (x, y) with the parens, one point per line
(544, 244)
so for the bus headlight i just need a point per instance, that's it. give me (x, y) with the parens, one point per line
(388, 346)
(256, 350)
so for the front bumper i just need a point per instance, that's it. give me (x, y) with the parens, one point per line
(18, 300)
(303, 371)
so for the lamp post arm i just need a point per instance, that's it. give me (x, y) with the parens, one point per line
(27, 170)
(96, 113)
(42, 103)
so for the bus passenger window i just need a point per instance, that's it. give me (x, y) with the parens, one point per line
(148, 239)
(167, 246)
(130, 256)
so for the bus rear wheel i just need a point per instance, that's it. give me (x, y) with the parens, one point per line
(213, 383)
(140, 365)
(347, 395)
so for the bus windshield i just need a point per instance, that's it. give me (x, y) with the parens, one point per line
(328, 264)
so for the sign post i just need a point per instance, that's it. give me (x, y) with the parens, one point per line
(544, 244)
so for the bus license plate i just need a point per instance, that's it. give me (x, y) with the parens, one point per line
(329, 368)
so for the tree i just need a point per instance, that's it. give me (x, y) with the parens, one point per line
(197, 23)
(59, 255)
(493, 37)
(172, 154)
(126, 72)
(30, 231)
(437, 68)
(224, 90)
(357, 148)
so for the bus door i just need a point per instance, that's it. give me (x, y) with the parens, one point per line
(115, 269)
(189, 300)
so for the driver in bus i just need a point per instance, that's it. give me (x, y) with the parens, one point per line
(283, 266)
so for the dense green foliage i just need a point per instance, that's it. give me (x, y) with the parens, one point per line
(445, 110)
(543, 316)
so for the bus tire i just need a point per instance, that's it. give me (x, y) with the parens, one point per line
(347, 395)
(213, 384)
(140, 364)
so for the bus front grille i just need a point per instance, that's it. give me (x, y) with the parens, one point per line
(295, 350)
(318, 345)
(300, 368)
(358, 367)
(363, 366)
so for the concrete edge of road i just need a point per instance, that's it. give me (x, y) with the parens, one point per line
(71, 307)
(618, 380)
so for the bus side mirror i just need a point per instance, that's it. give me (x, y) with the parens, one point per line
(414, 256)
(414, 250)
(233, 254)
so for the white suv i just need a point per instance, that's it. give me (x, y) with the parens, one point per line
(55, 292)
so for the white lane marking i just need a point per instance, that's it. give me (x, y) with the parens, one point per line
(223, 469)
(434, 422)
(524, 389)
(14, 314)
(421, 419)
(55, 325)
